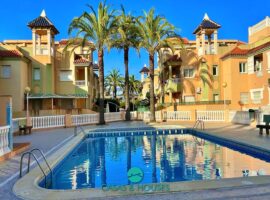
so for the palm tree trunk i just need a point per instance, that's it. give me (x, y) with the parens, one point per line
(127, 102)
(101, 86)
(115, 92)
(152, 94)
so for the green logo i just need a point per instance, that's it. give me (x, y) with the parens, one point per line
(135, 175)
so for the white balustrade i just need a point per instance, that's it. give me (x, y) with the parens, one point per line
(213, 115)
(259, 26)
(114, 116)
(85, 119)
(239, 117)
(4, 148)
(48, 121)
(178, 116)
(146, 116)
(133, 115)
(80, 83)
(158, 115)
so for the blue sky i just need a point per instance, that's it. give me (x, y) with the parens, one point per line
(235, 16)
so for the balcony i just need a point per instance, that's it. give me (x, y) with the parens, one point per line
(80, 83)
(173, 85)
(42, 51)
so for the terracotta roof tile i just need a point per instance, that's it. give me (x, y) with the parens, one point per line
(174, 58)
(9, 53)
(42, 22)
(207, 23)
(236, 52)
(265, 45)
(243, 52)
(81, 61)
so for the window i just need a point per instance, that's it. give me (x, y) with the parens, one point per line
(244, 97)
(5, 71)
(188, 73)
(216, 97)
(256, 95)
(215, 70)
(65, 75)
(36, 74)
(242, 67)
(189, 98)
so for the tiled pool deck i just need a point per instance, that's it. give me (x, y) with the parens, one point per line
(49, 139)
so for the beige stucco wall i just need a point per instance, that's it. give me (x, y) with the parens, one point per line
(259, 35)
(15, 85)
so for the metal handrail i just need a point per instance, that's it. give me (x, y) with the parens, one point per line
(81, 128)
(30, 153)
(42, 154)
(199, 122)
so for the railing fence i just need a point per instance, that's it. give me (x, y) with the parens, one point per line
(48, 121)
(4, 142)
(242, 117)
(213, 115)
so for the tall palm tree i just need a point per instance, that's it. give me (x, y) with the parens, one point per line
(97, 27)
(134, 86)
(113, 81)
(153, 30)
(127, 37)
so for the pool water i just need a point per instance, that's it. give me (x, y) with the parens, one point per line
(105, 161)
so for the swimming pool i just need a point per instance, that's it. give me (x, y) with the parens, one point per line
(104, 157)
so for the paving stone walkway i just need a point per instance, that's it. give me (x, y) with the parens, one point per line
(51, 140)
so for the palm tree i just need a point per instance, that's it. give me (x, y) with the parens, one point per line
(113, 81)
(134, 86)
(127, 37)
(97, 27)
(153, 30)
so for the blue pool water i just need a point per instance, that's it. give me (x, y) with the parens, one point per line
(172, 157)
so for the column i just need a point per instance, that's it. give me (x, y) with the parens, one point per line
(49, 42)
(39, 44)
(203, 42)
(170, 72)
(34, 41)
(53, 46)
(209, 44)
(142, 77)
(216, 41)
(197, 43)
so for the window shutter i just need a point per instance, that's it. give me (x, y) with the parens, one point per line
(250, 63)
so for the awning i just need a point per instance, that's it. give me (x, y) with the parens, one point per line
(57, 96)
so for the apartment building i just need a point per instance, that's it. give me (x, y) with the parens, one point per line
(59, 79)
(211, 71)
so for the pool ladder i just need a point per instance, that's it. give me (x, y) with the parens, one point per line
(31, 153)
(81, 130)
(199, 123)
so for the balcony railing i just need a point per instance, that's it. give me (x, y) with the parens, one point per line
(42, 51)
(80, 83)
(173, 85)
(259, 26)
(220, 102)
